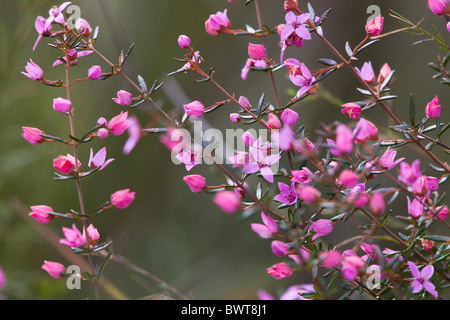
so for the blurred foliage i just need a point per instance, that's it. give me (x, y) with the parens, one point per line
(179, 237)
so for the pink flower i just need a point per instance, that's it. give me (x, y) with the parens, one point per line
(73, 237)
(280, 271)
(321, 227)
(387, 159)
(118, 124)
(94, 72)
(72, 57)
(295, 24)
(422, 279)
(227, 200)
(385, 71)
(303, 176)
(234, 117)
(65, 164)
(439, 7)
(295, 292)
(330, 259)
(56, 15)
(256, 51)
(83, 27)
(433, 108)
(194, 109)
(352, 109)
(134, 135)
(41, 29)
(415, 208)
(365, 130)
(250, 63)
(308, 194)
(195, 182)
(33, 135)
(279, 248)
(303, 80)
(375, 26)
(344, 141)
(427, 244)
(184, 42)
(289, 117)
(217, 23)
(261, 163)
(377, 205)
(123, 198)
(409, 173)
(267, 229)
(441, 212)
(273, 122)
(102, 133)
(358, 197)
(62, 105)
(92, 235)
(189, 158)
(124, 98)
(99, 160)
(34, 72)
(41, 213)
(287, 194)
(348, 178)
(366, 72)
(54, 269)
(351, 265)
(3, 279)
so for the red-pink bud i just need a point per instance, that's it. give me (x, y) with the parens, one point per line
(385, 71)
(439, 7)
(124, 98)
(352, 109)
(94, 72)
(330, 259)
(273, 122)
(194, 109)
(377, 205)
(289, 117)
(184, 42)
(308, 194)
(92, 235)
(279, 248)
(83, 27)
(34, 72)
(280, 270)
(102, 133)
(118, 124)
(365, 130)
(122, 199)
(33, 135)
(256, 51)
(217, 23)
(73, 237)
(54, 269)
(195, 182)
(375, 26)
(348, 178)
(234, 117)
(41, 213)
(227, 200)
(65, 164)
(62, 105)
(321, 227)
(433, 109)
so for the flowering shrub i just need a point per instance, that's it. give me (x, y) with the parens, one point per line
(296, 186)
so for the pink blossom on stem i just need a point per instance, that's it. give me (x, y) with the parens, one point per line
(351, 265)
(348, 178)
(256, 51)
(72, 57)
(184, 42)
(62, 105)
(427, 244)
(385, 71)
(122, 199)
(366, 72)
(54, 269)
(433, 108)
(303, 176)
(99, 160)
(118, 124)
(92, 235)
(56, 14)
(227, 200)
(194, 109)
(377, 204)
(303, 80)
(409, 173)
(279, 248)
(41, 213)
(273, 122)
(102, 133)
(441, 212)
(83, 27)
(295, 24)
(124, 98)
(321, 227)
(262, 163)
(251, 63)
(289, 117)
(217, 23)
(308, 194)
(344, 141)
(280, 271)
(365, 130)
(415, 208)
(358, 196)
(353, 110)
(234, 117)
(134, 135)
(73, 237)
(439, 7)
(375, 26)
(33, 71)
(267, 229)
(387, 159)
(287, 194)
(330, 259)
(189, 158)
(41, 29)
(94, 72)
(33, 135)
(422, 279)
(66, 164)
(195, 182)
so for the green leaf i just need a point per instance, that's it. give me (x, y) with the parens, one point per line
(328, 62)
(437, 238)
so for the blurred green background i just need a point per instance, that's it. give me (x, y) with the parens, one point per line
(180, 237)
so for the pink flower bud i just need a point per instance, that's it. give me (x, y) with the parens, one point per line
(385, 71)
(350, 266)
(65, 164)
(267, 229)
(92, 235)
(102, 122)
(41, 213)
(243, 101)
(352, 109)
(73, 237)
(330, 259)
(94, 72)
(387, 159)
(62, 105)
(377, 205)
(194, 109)
(439, 7)
(348, 178)
(217, 23)
(184, 42)
(123, 198)
(124, 98)
(415, 208)
(344, 140)
(375, 26)
(102, 133)
(234, 117)
(34, 72)
(366, 72)
(433, 109)
(54, 269)
(358, 197)
(280, 270)
(256, 51)
(118, 124)
(308, 194)
(3, 279)
(248, 138)
(289, 117)
(228, 201)
(33, 135)
(279, 248)
(427, 244)
(321, 227)
(195, 182)
(303, 176)
(409, 173)
(365, 130)
(440, 213)
(290, 5)
(273, 122)
(83, 27)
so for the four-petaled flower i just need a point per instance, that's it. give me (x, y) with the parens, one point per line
(261, 162)
(422, 279)
(287, 195)
(303, 80)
